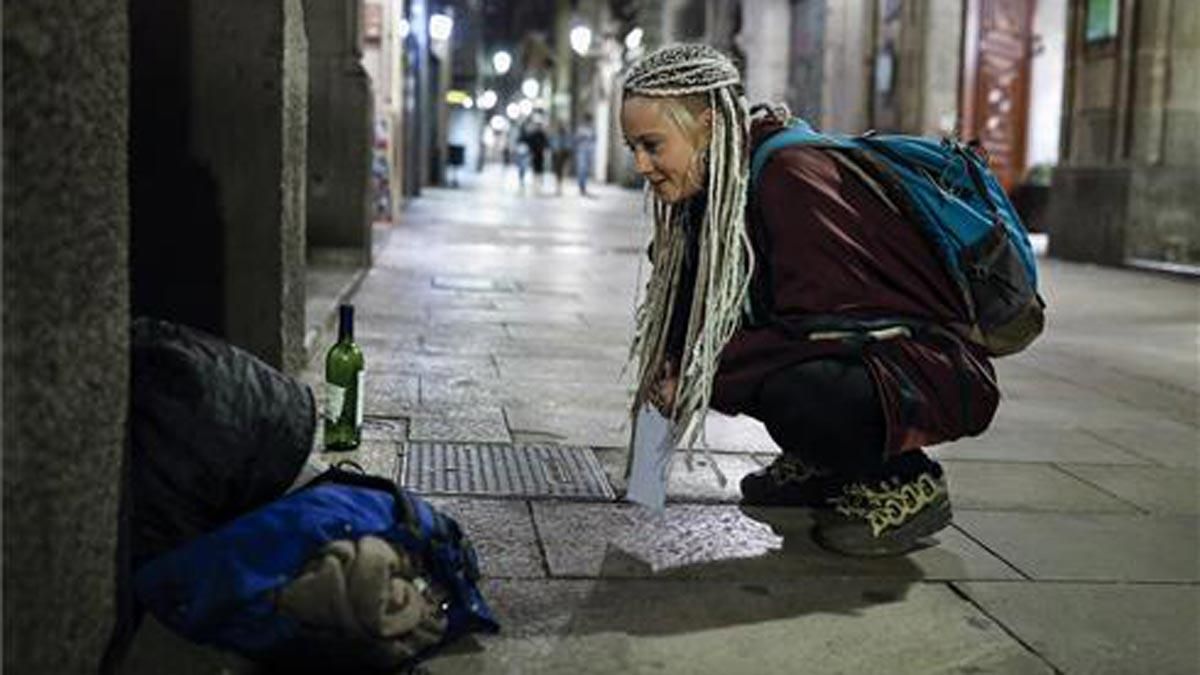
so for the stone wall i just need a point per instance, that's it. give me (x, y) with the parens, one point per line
(340, 129)
(66, 317)
(846, 102)
(218, 151)
(1129, 184)
(765, 39)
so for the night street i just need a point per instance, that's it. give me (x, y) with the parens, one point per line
(601, 337)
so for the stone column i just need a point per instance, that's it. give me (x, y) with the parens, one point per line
(218, 140)
(846, 85)
(249, 124)
(340, 129)
(765, 39)
(1125, 191)
(66, 325)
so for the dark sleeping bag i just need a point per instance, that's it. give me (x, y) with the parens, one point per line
(346, 573)
(214, 432)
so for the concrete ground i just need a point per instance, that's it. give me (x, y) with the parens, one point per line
(497, 316)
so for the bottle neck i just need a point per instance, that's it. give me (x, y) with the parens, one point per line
(345, 323)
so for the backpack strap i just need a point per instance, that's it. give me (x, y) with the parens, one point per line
(797, 132)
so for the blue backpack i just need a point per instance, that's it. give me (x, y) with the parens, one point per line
(220, 588)
(947, 190)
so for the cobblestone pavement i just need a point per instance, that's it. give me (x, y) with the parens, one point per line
(492, 316)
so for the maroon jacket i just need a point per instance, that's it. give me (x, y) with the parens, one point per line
(835, 248)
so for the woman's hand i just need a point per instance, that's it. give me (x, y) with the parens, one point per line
(662, 392)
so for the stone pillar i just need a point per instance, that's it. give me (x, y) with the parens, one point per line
(1164, 143)
(249, 124)
(218, 140)
(66, 325)
(929, 66)
(846, 85)
(765, 39)
(807, 55)
(340, 129)
(1126, 189)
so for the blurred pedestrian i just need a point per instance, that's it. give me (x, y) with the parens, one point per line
(852, 406)
(584, 148)
(520, 156)
(534, 136)
(560, 152)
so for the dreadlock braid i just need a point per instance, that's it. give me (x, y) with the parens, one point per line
(725, 257)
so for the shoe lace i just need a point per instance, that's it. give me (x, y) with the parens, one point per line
(889, 503)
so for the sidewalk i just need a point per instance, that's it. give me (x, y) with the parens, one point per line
(496, 317)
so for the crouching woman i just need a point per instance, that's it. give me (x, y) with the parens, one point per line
(807, 301)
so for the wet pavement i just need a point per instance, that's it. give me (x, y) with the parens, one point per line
(492, 316)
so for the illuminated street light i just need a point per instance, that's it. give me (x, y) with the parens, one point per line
(526, 107)
(581, 39)
(440, 27)
(633, 40)
(403, 28)
(501, 61)
(530, 88)
(468, 103)
(513, 111)
(487, 100)
(498, 123)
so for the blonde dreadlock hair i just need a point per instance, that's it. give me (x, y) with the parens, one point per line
(684, 72)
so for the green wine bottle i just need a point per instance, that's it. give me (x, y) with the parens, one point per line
(344, 387)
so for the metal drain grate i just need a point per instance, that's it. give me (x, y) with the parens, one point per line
(502, 470)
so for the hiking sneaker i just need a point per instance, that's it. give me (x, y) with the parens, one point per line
(789, 481)
(885, 518)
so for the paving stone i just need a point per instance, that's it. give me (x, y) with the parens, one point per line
(1090, 547)
(603, 354)
(1033, 444)
(605, 429)
(385, 429)
(501, 531)
(1100, 628)
(483, 424)
(726, 542)
(1156, 489)
(438, 365)
(461, 391)
(698, 628)
(472, 283)
(570, 369)
(542, 395)
(1164, 442)
(1017, 486)
(390, 395)
(378, 457)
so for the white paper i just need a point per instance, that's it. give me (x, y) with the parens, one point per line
(650, 459)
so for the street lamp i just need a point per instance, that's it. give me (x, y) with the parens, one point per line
(501, 61)
(468, 103)
(526, 106)
(530, 87)
(440, 27)
(513, 111)
(633, 40)
(487, 100)
(581, 39)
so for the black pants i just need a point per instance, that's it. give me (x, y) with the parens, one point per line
(827, 412)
